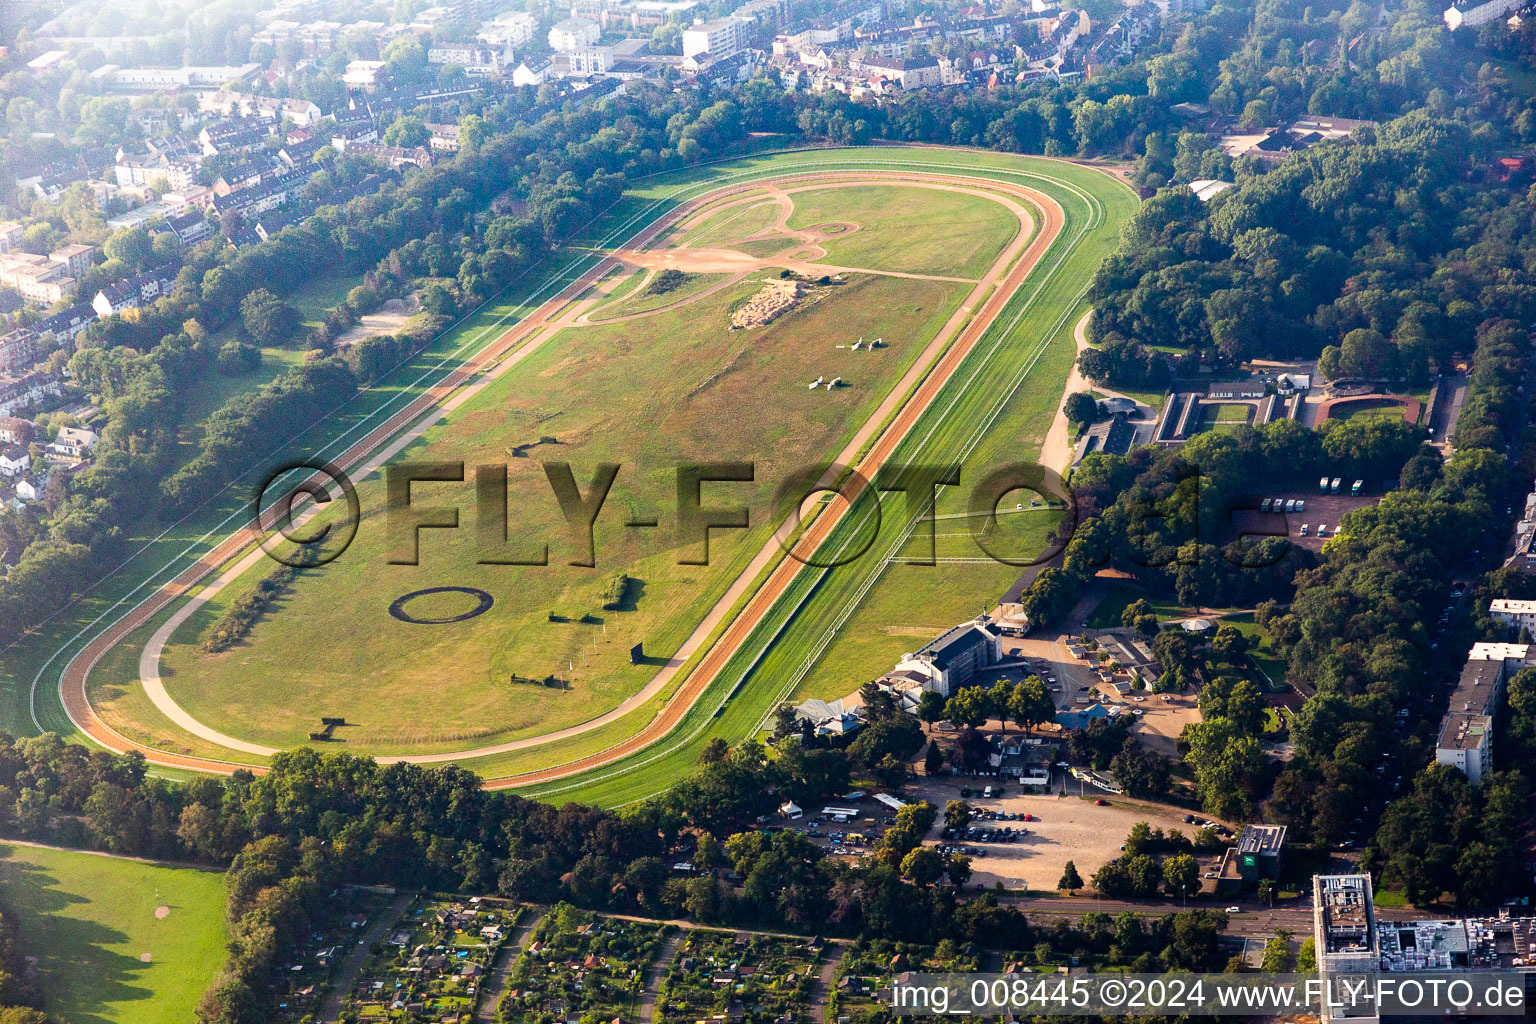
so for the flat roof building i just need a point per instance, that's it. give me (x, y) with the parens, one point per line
(1513, 655)
(1465, 740)
(1519, 614)
(721, 37)
(1344, 933)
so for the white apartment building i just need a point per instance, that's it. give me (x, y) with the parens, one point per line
(75, 259)
(38, 279)
(512, 29)
(721, 37)
(190, 77)
(591, 60)
(1519, 614)
(1466, 732)
(1473, 15)
(1466, 742)
(536, 73)
(573, 34)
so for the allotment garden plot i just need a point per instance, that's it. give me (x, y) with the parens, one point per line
(730, 975)
(580, 965)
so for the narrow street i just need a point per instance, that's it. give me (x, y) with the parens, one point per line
(379, 927)
(658, 971)
(831, 956)
(496, 982)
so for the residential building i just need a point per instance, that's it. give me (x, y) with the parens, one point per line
(75, 259)
(160, 79)
(66, 326)
(813, 35)
(364, 74)
(71, 443)
(28, 392)
(14, 461)
(270, 108)
(918, 72)
(591, 60)
(515, 28)
(536, 73)
(311, 39)
(234, 135)
(763, 12)
(574, 34)
(10, 235)
(1466, 742)
(300, 153)
(721, 37)
(1474, 15)
(190, 228)
(18, 350)
(37, 279)
(1466, 732)
(462, 54)
(15, 430)
(445, 137)
(736, 68)
(354, 128)
(395, 156)
(1520, 615)
(131, 293)
(273, 191)
(30, 488)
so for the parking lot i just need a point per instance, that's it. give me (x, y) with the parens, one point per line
(1318, 510)
(1067, 823)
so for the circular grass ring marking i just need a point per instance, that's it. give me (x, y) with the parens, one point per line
(397, 608)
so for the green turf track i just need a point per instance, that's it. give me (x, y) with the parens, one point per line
(1040, 315)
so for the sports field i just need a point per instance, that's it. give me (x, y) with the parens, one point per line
(604, 381)
(118, 941)
(647, 380)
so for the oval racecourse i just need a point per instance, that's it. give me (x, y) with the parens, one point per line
(972, 265)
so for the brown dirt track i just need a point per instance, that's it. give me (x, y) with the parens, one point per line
(73, 680)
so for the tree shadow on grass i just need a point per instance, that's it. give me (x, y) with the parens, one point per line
(76, 974)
